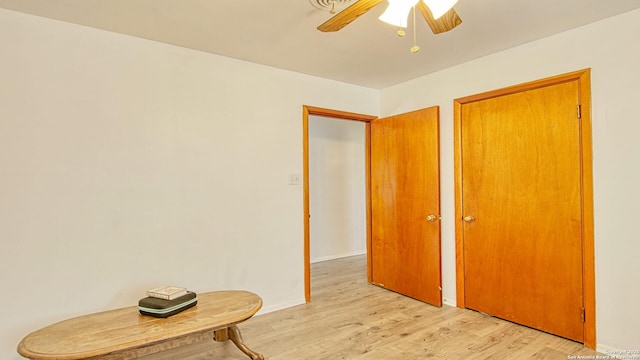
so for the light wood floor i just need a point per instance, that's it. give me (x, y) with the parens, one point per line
(351, 319)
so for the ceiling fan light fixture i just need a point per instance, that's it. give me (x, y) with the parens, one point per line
(397, 12)
(439, 7)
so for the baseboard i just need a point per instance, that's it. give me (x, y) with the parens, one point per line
(280, 306)
(446, 301)
(292, 303)
(339, 256)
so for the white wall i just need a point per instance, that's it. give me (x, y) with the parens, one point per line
(336, 188)
(611, 49)
(126, 164)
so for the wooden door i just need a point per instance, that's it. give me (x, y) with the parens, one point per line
(522, 208)
(405, 205)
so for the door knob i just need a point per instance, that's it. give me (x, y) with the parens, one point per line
(468, 218)
(432, 218)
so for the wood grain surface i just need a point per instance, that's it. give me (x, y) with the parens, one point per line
(346, 16)
(405, 193)
(124, 333)
(521, 182)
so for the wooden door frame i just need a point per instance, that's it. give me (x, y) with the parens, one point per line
(583, 77)
(340, 115)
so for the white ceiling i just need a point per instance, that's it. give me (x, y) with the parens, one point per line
(282, 33)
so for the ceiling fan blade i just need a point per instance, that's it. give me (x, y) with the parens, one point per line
(446, 22)
(346, 16)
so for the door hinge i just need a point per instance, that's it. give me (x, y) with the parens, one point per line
(583, 315)
(579, 111)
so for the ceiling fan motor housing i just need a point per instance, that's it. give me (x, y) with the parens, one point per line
(329, 4)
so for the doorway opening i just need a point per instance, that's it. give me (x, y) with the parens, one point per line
(340, 115)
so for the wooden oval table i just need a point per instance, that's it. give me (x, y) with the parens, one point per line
(126, 334)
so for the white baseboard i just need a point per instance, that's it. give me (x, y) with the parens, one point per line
(292, 303)
(339, 256)
(449, 302)
(280, 306)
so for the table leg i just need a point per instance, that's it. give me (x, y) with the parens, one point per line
(233, 333)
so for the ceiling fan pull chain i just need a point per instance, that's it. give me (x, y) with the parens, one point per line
(415, 48)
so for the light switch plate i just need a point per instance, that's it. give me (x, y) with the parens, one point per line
(294, 179)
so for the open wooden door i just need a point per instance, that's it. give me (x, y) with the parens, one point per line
(405, 204)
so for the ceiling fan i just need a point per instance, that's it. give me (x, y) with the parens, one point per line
(445, 19)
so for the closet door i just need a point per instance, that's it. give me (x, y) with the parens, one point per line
(521, 208)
